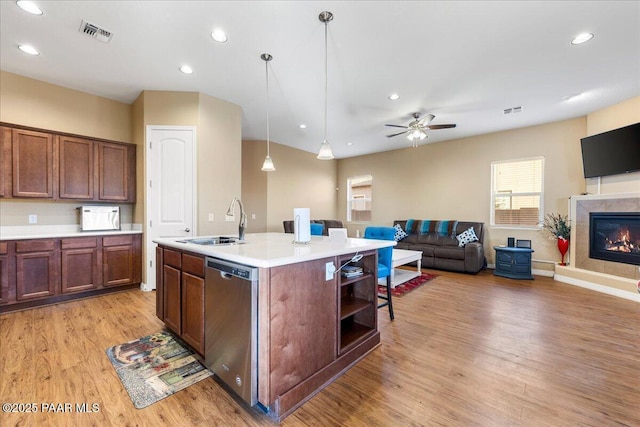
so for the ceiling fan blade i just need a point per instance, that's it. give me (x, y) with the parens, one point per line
(427, 119)
(396, 134)
(441, 126)
(398, 126)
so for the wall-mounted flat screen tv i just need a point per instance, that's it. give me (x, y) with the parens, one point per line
(611, 153)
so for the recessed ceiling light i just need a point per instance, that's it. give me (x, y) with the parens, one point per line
(394, 97)
(582, 38)
(302, 126)
(28, 49)
(186, 69)
(29, 6)
(349, 144)
(219, 36)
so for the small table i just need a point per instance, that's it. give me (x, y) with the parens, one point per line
(402, 257)
(514, 263)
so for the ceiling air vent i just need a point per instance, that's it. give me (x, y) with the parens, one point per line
(512, 110)
(95, 31)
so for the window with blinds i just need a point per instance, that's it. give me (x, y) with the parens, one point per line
(516, 192)
(359, 198)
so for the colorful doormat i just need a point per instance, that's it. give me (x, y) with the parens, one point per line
(154, 367)
(406, 287)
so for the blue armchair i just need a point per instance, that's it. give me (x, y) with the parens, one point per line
(384, 261)
(317, 229)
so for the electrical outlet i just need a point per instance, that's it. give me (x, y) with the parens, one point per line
(229, 218)
(329, 271)
(253, 216)
(210, 217)
(33, 219)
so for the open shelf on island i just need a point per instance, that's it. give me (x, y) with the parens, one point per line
(351, 306)
(352, 333)
(357, 296)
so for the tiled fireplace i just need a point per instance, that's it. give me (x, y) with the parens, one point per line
(617, 233)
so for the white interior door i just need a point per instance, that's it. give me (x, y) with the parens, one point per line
(170, 187)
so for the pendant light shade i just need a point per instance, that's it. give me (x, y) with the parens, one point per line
(267, 166)
(325, 152)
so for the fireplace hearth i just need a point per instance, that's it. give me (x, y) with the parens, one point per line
(615, 236)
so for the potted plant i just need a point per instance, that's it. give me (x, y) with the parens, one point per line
(558, 227)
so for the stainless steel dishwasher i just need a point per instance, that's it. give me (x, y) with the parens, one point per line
(231, 319)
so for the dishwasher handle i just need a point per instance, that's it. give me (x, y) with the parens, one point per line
(226, 276)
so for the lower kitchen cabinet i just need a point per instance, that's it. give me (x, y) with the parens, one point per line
(5, 274)
(180, 289)
(79, 264)
(193, 301)
(36, 272)
(121, 258)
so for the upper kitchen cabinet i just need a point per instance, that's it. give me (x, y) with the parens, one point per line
(32, 164)
(41, 164)
(5, 161)
(76, 168)
(116, 172)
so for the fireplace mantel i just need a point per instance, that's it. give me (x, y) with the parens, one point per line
(606, 276)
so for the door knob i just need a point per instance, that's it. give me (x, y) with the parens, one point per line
(187, 229)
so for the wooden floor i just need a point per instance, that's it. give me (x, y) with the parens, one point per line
(464, 350)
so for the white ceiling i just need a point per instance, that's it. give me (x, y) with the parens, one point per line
(463, 61)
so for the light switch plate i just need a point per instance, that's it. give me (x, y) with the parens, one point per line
(33, 219)
(210, 217)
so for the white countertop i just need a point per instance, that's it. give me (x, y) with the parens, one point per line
(57, 231)
(274, 249)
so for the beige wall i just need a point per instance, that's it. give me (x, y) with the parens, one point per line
(452, 179)
(34, 103)
(30, 102)
(219, 162)
(300, 181)
(254, 185)
(614, 117)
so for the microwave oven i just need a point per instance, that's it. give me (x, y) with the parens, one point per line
(100, 218)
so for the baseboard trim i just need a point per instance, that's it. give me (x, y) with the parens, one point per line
(535, 271)
(599, 288)
(145, 287)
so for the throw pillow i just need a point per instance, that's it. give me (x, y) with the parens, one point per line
(400, 234)
(467, 236)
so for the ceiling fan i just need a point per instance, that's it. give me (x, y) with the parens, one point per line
(416, 131)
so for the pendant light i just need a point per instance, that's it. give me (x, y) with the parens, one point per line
(267, 166)
(325, 152)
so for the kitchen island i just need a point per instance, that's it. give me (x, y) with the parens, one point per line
(312, 325)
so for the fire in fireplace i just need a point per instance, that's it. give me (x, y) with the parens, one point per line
(615, 236)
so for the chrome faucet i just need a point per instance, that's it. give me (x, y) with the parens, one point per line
(243, 217)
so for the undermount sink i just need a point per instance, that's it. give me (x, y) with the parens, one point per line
(217, 241)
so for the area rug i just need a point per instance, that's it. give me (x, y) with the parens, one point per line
(154, 367)
(406, 287)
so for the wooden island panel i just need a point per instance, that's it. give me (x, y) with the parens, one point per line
(303, 323)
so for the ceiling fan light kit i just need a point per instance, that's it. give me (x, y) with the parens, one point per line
(325, 152)
(416, 130)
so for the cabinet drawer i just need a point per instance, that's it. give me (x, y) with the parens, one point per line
(172, 258)
(126, 239)
(79, 243)
(193, 264)
(35, 246)
(4, 248)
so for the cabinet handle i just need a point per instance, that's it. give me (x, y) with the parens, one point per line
(187, 229)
